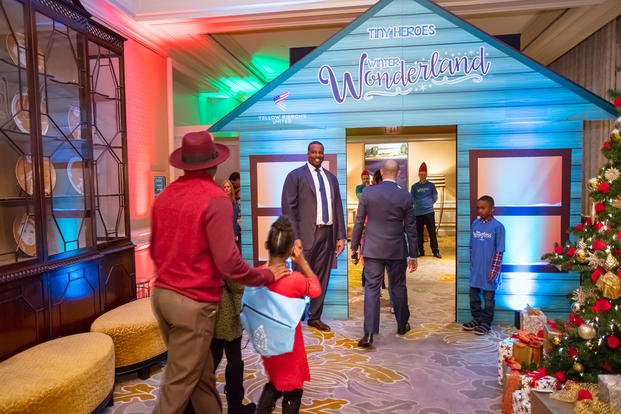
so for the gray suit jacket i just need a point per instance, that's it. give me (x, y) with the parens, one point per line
(299, 203)
(389, 211)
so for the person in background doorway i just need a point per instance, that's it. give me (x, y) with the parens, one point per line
(229, 190)
(366, 181)
(424, 195)
(487, 244)
(235, 179)
(311, 199)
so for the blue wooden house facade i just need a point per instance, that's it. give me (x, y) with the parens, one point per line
(412, 63)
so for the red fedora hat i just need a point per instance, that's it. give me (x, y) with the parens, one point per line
(198, 152)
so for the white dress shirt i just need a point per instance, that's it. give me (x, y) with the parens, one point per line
(326, 183)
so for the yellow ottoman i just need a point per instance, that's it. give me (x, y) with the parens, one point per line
(138, 343)
(73, 374)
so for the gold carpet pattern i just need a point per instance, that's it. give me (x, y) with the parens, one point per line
(435, 369)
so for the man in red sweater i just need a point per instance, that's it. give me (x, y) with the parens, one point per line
(193, 248)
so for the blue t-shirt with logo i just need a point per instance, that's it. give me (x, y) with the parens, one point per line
(486, 239)
(422, 196)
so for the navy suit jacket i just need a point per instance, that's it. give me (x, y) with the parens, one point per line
(299, 203)
(390, 212)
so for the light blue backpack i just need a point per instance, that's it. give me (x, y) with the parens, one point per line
(270, 319)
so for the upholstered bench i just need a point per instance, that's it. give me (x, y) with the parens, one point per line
(138, 343)
(72, 374)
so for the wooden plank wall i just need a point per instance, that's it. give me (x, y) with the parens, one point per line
(296, 142)
(545, 290)
(591, 65)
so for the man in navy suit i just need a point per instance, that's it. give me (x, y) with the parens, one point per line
(389, 211)
(312, 200)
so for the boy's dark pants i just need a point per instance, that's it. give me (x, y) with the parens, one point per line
(429, 221)
(485, 315)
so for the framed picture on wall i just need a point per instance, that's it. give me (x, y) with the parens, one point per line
(376, 154)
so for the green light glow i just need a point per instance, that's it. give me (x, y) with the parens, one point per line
(270, 66)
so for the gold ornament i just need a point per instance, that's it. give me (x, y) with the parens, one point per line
(589, 344)
(580, 256)
(578, 367)
(618, 123)
(610, 285)
(593, 183)
(612, 174)
(615, 135)
(611, 262)
(575, 307)
(556, 340)
(586, 331)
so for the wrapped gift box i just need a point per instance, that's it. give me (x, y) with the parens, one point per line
(532, 320)
(527, 354)
(505, 350)
(610, 390)
(521, 402)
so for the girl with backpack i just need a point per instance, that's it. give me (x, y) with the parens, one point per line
(287, 372)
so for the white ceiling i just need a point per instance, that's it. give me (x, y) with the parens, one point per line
(209, 40)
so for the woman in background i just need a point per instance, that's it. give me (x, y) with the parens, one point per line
(230, 191)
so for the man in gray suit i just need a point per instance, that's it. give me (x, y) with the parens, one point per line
(312, 200)
(389, 211)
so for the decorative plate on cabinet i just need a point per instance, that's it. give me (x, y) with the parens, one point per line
(73, 120)
(21, 114)
(75, 171)
(17, 51)
(24, 234)
(23, 173)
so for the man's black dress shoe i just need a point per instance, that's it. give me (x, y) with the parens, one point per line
(404, 329)
(366, 341)
(437, 255)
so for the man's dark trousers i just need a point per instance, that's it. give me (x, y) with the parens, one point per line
(374, 274)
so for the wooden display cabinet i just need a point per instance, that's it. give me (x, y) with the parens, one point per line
(65, 251)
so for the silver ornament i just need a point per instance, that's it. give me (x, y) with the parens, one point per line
(575, 307)
(586, 331)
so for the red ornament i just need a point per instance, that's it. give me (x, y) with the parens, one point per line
(575, 320)
(572, 353)
(601, 305)
(589, 221)
(599, 225)
(599, 245)
(607, 145)
(619, 234)
(560, 376)
(571, 251)
(552, 324)
(617, 102)
(558, 249)
(596, 274)
(603, 187)
(580, 227)
(613, 342)
(600, 207)
(584, 394)
(607, 366)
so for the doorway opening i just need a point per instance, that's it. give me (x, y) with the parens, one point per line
(432, 288)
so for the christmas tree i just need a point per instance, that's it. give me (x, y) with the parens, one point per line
(589, 341)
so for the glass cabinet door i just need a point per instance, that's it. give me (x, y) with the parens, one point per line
(108, 139)
(64, 129)
(18, 224)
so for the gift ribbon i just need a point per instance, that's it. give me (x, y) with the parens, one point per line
(536, 375)
(527, 339)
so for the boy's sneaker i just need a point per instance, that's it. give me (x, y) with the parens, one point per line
(481, 330)
(470, 325)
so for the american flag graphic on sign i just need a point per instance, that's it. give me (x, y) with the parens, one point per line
(279, 101)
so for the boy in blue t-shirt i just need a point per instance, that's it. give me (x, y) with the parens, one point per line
(424, 196)
(487, 244)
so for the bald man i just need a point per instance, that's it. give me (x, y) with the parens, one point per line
(389, 211)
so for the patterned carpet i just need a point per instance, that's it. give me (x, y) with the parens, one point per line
(434, 369)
